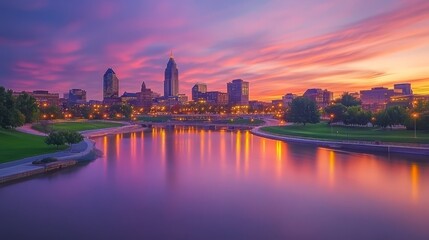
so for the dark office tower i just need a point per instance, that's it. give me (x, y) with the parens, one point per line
(110, 85)
(238, 92)
(198, 91)
(171, 80)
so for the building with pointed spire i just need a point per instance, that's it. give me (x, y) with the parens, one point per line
(110, 85)
(171, 78)
(145, 97)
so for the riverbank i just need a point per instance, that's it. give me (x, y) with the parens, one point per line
(350, 145)
(82, 151)
(16, 144)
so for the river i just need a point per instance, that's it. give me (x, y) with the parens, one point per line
(190, 183)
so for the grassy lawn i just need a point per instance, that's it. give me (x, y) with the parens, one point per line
(16, 145)
(76, 126)
(323, 131)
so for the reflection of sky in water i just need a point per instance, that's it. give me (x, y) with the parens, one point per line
(190, 183)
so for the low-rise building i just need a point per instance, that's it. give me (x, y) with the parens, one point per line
(43, 98)
(216, 97)
(322, 97)
(288, 98)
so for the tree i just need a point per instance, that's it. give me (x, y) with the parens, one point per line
(82, 111)
(303, 110)
(55, 138)
(337, 111)
(71, 137)
(356, 115)
(395, 115)
(124, 110)
(382, 119)
(27, 105)
(348, 100)
(10, 116)
(50, 112)
(421, 118)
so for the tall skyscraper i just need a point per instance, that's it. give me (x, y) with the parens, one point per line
(171, 78)
(238, 92)
(110, 85)
(198, 91)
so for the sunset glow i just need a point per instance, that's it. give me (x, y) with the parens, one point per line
(277, 46)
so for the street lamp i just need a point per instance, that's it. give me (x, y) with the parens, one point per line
(332, 119)
(415, 115)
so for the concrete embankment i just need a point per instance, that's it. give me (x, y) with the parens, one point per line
(28, 170)
(24, 168)
(349, 145)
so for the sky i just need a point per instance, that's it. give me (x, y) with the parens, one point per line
(279, 46)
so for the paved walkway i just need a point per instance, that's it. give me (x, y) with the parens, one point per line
(27, 129)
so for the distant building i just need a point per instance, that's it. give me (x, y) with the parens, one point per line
(238, 92)
(407, 101)
(169, 101)
(182, 98)
(288, 98)
(76, 96)
(43, 98)
(198, 91)
(145, 96)
(259, 106)
(95, 102)
(322, 97)
(277, 103)
(216, 97)
(171, 78)
(130, 98)
(403, 88)
(110, 86)
(155, 95)
(376, 98)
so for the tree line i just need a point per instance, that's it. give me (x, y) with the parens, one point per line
(348, 110)
(15, 111)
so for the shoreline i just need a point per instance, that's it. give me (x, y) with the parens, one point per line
(23, 168)
(356, 146)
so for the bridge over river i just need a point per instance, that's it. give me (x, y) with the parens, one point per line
(206, 125)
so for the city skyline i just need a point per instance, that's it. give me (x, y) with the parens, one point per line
(364, 44)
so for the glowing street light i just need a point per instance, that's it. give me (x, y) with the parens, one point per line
(415, 116)
(332, 119)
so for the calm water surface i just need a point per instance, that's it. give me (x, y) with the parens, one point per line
(196, 184)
